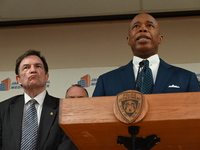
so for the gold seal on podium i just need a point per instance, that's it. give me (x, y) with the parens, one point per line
(130, 106)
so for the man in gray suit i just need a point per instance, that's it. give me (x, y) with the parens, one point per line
(32, 74)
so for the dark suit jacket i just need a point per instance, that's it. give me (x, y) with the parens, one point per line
(170, 79)
(51, 136)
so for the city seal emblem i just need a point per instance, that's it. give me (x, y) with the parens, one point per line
(130, 106)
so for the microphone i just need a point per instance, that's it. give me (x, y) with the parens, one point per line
(141, 64)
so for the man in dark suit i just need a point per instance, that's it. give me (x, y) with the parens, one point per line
(144, 38)
(32, 74)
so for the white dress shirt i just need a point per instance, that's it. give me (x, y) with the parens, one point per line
(154, 62)
(40, 99)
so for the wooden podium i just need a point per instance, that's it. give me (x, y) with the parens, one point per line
(174, 118)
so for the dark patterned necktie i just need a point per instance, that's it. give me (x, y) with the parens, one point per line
(145, 79)
(30, 128)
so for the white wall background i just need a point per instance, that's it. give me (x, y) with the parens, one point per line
(61, 79)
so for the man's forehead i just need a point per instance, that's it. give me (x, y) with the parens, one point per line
(147, 21)
(144, 18)
(76, 88)
(31, 59)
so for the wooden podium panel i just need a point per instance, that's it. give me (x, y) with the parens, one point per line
(174, 118)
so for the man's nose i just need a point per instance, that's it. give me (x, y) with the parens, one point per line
(33, 69)
(143, 28)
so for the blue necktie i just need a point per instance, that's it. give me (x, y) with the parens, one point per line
(30, 128)
(145, 79)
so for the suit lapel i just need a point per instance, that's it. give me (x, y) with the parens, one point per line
(16, 115)
(163, 76)
(127, 76)
(48, 116)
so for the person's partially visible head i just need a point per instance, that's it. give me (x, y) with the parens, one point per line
(32, 70)
(76, 91)
(144, 36)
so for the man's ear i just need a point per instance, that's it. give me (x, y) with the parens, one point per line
(18, 79)
(128, 40)
(160, 39)
(46, 76)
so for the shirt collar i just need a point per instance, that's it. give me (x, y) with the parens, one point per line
(153, 61)
(39, 98)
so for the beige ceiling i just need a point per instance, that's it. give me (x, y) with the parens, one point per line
(12, 10)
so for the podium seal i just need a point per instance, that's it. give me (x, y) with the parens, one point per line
(130, 106)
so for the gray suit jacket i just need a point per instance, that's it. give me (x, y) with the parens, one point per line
(51, 136)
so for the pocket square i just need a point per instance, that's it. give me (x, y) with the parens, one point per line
(173, 86)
